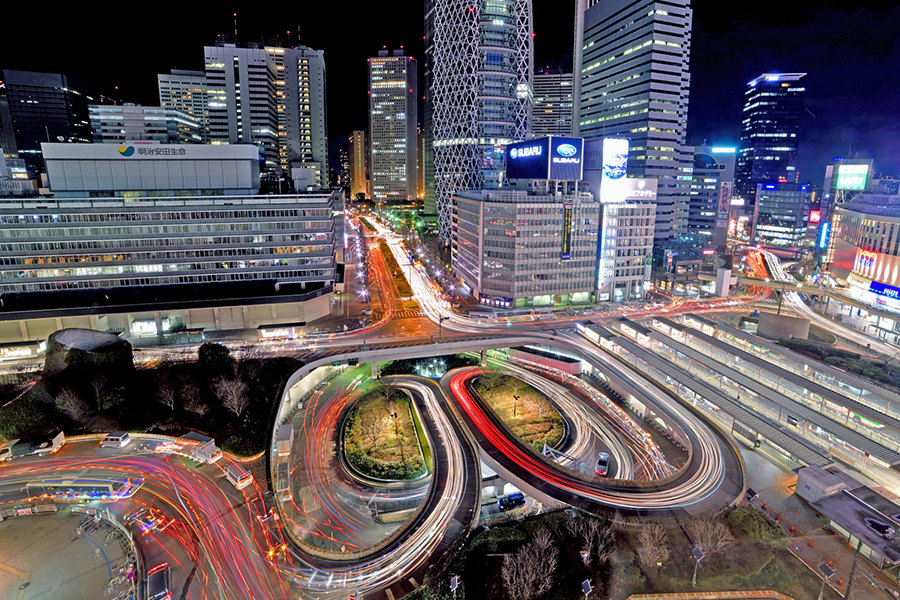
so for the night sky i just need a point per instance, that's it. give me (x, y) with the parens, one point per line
(851, 53)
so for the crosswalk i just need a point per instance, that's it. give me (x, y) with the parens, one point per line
(407, 314)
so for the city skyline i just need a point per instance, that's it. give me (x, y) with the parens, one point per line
(849, 97)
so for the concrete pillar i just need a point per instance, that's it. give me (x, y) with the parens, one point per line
(484, 358)
(245, 318)
(375, 369)
(94, 322)
(128, 320)
(24, 329)
(274, 313)
(59, 324)
(218, 319)
(157, 319)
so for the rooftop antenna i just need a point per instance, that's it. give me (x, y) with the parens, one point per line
(235, 28)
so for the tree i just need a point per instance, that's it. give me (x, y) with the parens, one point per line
(711, 534)
(372, 423)
(491, 379)
(215, 359)
(68, 403)
(233, 394)
(534, 403)
(653, 540)
(97, 384)
(165, 391)
(529, 572)
(190, 394)
(596, 537)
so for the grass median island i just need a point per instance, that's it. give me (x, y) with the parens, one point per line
(396, 273)
(381, 438)
(530, 416)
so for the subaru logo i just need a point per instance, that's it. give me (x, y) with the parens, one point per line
(566, 150)
(513, 153)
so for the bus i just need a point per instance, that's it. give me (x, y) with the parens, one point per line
(80, 490)
(283, 482)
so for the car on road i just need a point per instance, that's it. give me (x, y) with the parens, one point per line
(602, 464)
(159, 582)
(258, 509)
(116, 439)
(511, 501)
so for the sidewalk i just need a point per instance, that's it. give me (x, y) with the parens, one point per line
(810, 541)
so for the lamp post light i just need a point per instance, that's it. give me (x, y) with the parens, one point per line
(441, 326)
(515, 404)
(827, 572)
(698, 556)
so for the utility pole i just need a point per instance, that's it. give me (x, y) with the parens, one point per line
(853, 569)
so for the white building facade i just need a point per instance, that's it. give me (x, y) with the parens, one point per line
(478, 95)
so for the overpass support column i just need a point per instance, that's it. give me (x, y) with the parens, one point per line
(375, 369)
(484, 358)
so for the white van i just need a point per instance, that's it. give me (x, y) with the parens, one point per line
(116, 439)
(238, 476)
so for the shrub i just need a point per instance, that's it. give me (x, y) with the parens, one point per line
(497, 534)
(758, 526)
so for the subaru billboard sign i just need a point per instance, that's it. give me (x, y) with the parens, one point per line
(545, 158)
(528, 160)
(566, 158)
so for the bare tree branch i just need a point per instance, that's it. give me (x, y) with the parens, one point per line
(97, 384)
(165, 391)
(711, 534)
(653, 540)
(529, 572)
(232, 393)
(70, 404)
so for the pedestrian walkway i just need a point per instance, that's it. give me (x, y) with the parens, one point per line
(810, 540)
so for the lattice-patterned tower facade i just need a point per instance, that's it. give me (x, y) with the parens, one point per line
(478, 97)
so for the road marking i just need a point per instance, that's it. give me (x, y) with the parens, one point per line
(389, 593)
(20, 574)
(413, 581)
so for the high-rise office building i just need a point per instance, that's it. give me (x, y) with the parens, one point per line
(344, 177)
(186, 91)
(358, 164)
(242, 108)
(114, 124)
(712, 185)
(393, 120)
(302, 116)
(632, 81)
(41, 107)
(781, 214)
(770, 133)
(478, 95)
(552, 103)
(274, 98)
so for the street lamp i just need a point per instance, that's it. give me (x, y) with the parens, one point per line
(827, 572)
(441, 326)
(515, 404)
(698, 555)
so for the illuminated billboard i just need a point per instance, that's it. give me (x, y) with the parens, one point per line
(567, 232)
(852, 177)
(815, 216)
(546, 158)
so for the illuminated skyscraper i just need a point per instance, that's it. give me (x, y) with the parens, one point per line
(358, 164)
(274, 98)
(632, 81)
(770, 132)
(478, 95)
(552, 103)
(393, 119)
(186, 91)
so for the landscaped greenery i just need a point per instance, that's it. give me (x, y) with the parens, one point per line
(408, 366)
(644, 557)
(396, 273)
(883, 369)
(228, 400)
(758, 526)
(380, 438)
(530, 416)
